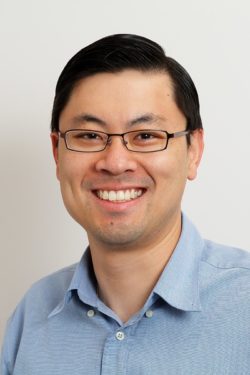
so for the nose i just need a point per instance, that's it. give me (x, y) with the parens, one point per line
(116, 159)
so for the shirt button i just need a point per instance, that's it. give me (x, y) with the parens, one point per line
(149, 314)
(90, 313)
(120, 335)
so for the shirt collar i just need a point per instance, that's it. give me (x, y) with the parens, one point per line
(83, 282)
(179, 282)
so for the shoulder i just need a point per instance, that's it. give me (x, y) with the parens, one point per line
(225, 257)
(57, 281)
(33, 310)
(225, 277)
(47, 292)
(42, 297)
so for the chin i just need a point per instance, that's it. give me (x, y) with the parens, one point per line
(116, 237)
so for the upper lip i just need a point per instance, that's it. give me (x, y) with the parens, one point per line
(117, 188)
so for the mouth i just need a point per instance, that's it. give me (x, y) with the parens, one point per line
(119, 195)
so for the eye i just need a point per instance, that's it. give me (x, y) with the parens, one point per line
(148, 136)
(145, 136)
(87, 135)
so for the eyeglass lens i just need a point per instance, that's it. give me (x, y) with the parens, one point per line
(140, 141)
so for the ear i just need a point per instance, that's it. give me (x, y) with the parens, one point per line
(54, 141)
(195, 152)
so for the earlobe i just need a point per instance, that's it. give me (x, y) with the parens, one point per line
(195, 153)
(54, 142)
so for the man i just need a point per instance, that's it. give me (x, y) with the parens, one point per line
(149, 296)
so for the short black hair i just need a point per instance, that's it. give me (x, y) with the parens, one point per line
(119, 52)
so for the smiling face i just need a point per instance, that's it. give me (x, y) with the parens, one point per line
(125, 198)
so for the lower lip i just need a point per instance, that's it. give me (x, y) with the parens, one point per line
(118, 206)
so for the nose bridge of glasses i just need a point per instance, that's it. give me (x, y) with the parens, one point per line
(121, 135)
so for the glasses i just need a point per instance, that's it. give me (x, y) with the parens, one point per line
(146, 140)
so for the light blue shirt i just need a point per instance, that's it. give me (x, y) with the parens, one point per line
(196, 320)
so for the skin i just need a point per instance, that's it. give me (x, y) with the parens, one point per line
(134, 238)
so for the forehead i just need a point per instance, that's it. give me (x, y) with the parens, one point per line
(135, 81)
(122, 96)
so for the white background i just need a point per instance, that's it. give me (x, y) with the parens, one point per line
(210, 39)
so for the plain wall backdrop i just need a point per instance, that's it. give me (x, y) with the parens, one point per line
(210, 39)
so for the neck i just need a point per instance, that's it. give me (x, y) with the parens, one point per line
(126, 277)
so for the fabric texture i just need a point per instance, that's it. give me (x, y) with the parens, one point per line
(196, 320)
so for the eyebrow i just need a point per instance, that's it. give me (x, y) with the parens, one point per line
(85, 117)
(147, 118)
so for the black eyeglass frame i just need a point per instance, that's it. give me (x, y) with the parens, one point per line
(63, 135)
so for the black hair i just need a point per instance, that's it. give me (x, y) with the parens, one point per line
(118, 52)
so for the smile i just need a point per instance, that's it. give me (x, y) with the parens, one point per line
(120, 195)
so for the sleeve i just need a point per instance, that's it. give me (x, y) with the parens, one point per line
(11, 342)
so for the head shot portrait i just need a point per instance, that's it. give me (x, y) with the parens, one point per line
(150, 295)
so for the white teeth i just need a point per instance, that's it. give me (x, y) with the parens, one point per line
(105, 194)
(112, 196)
(127, 195)
(120, 195)
(132, 195)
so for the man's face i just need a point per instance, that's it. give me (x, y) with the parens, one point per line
(117, 103)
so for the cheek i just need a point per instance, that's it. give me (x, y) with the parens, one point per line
(170, 168)
(71, 167)
(71, 172)
(170, 174)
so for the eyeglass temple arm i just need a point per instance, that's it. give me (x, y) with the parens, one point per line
(179, 134)
(62, 135)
